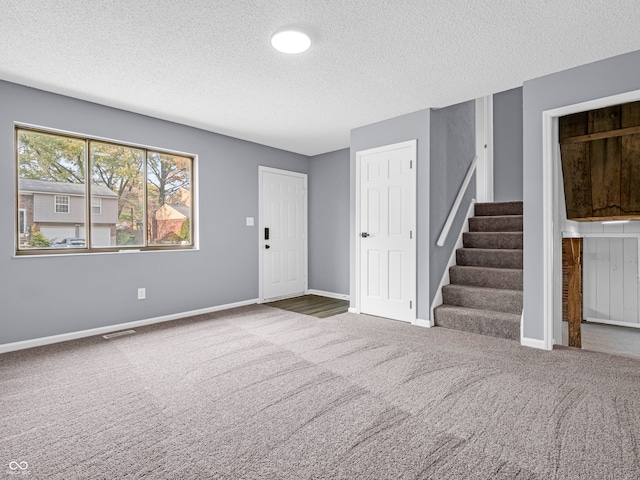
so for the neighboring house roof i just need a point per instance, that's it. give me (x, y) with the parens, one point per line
(173, 211)
(182, 195)
(44, 186)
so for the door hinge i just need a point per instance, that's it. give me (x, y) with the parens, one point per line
(410, 163)
(410, 304)
(410, 234)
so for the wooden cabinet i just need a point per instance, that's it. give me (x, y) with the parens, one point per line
(600, 151)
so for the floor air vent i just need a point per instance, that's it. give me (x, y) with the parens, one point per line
(118, 334)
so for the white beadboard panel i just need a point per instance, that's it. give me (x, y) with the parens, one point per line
(611, 283)
(602, 278)
(613, 227)
(616, 280)
(632, 227)
(590, 292)
(585, 227)
(630, 282)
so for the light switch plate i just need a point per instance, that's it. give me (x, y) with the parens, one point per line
(250, 222)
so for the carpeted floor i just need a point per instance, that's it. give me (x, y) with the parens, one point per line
(261, 393)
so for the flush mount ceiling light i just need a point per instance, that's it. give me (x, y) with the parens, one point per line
(290, 40)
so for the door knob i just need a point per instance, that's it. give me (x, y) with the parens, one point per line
(267, 247)
(364, 235)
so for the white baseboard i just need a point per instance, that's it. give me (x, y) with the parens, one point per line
(353, 310)
(613, 322)
(423, 323)
(37, 342)
(322, 293)
(533, 343)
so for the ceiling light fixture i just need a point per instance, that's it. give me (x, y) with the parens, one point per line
(290, 40)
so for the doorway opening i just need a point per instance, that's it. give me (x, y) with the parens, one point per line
(556, 226)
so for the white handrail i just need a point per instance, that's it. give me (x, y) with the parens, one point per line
(456, 204)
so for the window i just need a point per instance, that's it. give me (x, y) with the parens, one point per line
(96, 206)
(62, 203)
(22, 222)
(130, 197)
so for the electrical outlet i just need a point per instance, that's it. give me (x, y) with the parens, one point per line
(142, 293)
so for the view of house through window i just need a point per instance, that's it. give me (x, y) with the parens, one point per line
(138, 198)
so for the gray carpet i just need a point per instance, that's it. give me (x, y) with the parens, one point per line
(261, 393)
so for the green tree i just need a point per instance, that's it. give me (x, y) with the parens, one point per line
(38, 240)
(50, 157)
(185, 230)
(120, 170)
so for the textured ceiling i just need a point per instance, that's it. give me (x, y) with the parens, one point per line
(208, 63)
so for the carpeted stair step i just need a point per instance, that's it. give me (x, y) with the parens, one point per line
(503, 278)
(498, 208)
(494, 299)
(489, 257)
(510, 240)
(501, 223)
(483, 322)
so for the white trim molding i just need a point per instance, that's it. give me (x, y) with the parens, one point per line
(484, 148)
(533, 343)
(551, 229)
(322, 293)
(612, 322)
(420, 322)
(64, 337)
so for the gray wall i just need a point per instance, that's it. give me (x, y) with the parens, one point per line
(406, 127)
(329, 222)
(597, 80)
(507, 145)
(43, 296)
(452, 151)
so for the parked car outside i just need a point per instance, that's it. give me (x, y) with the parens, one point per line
(71, 243)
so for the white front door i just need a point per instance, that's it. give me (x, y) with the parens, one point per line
(386, 231)
(283, 233)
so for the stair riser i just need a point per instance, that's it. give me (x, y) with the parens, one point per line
(492, 278)
(496, 224)
(509, 301)
(510, 240)
(502, 208)
(489, 258)
(479, 322)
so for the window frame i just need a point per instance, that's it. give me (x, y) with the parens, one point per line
(57, 203)
(98, 206)
(22, 222)
(88, 249)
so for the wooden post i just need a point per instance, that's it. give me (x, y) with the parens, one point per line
(573, 261)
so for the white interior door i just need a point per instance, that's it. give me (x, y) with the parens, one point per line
(386, 231)
(283, 233)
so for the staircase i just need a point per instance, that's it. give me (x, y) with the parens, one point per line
(485, 293)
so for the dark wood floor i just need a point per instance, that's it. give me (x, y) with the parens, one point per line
(314, 305)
